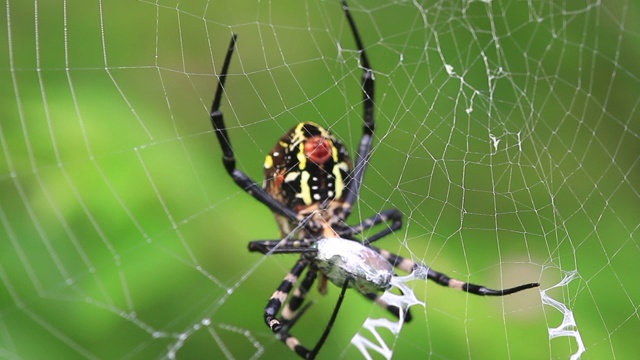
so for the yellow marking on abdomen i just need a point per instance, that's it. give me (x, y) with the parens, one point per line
(268, 162)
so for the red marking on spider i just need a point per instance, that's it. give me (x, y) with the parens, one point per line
(279, 179)
(318, 149)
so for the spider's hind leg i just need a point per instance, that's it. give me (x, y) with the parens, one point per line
(228, 157)
(279, 297)
(394, 310)
(427, 273)
(292, 342)
(290, 310)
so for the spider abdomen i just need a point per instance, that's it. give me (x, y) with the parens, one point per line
(341, 259)
(308, 165)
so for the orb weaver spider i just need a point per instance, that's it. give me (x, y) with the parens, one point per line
(310, 186)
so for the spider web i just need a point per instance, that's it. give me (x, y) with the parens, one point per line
(507, 133)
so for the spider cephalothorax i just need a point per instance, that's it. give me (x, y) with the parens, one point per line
(310, 185)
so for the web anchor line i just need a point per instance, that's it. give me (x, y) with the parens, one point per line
(568, 327)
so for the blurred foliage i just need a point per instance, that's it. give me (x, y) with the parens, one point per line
(123, 237)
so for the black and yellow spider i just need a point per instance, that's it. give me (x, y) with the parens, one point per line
(311, 185)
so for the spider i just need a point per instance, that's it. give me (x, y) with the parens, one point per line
(310, 186)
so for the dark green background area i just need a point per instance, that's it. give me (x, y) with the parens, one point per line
(122, 236)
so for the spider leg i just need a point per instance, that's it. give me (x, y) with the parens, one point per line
(290, 310)
(271, 247)
(281, 328)
(228, 157)
(280, 296)
(332, 320)
(392, 215)
(294, 344)
(364, 148)
(426, 272)
(376, 298)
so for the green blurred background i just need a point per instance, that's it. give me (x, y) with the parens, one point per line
(121, 236)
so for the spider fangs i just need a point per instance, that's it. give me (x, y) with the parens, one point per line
(311, 186)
